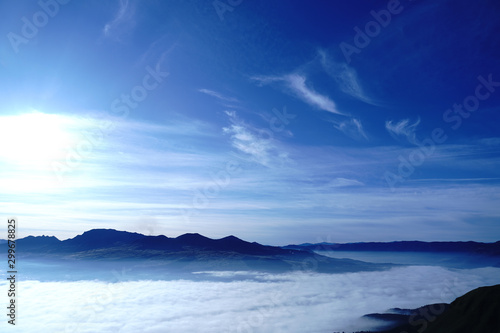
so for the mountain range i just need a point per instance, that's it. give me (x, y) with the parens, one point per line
(192, 252)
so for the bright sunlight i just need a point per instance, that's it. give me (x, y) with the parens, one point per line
(34, 138)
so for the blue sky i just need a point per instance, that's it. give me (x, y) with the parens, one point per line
(278, 122)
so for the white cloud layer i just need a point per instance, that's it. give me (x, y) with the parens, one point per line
(291, 303)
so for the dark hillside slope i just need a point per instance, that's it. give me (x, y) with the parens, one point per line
(478, 311)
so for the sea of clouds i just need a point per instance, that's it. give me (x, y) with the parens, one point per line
(227, 302)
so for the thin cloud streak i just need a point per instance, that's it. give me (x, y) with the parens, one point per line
(296, 85)
(352, 128)
(346, 78)
(121, 22)
(343, 182)
(218, 95)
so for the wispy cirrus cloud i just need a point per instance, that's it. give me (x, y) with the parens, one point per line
(346, 78)
(218, 95)
(299, 87)
(253, 142)
(352, 128)
(296, 85)
(403, 128)
(123, 20)
(344, 182)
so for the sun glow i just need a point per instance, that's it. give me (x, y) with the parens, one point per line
(34, 139)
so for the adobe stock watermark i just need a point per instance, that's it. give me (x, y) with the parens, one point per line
(120, 109)
(453, 116)
(223, 6)
(222, 178)
(372, 29)
(29, 30)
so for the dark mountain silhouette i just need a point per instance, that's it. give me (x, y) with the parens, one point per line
(475, 312)
(101, 238)
(190, 251)
(39, 243)
(478, 311)
(98, 239)
(405, 246)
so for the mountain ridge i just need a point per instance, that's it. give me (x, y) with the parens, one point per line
(405, 246)
(107, 238)
(191, 250)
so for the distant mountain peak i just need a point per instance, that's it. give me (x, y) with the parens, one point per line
(100, 238)
(191, 234)
(193, 238)
(38, 243)
(231, 238)
(104, 231)
(41, 237)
